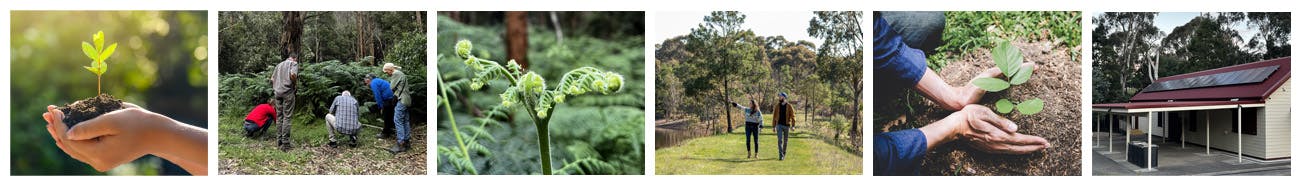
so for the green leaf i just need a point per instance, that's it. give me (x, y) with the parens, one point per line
(1004, 106)
(99, 41)
(107, 52)
(1008, 58)
(1030, 107)
(98, 67)
(991, 84)
(1022, 75)
(90, 51)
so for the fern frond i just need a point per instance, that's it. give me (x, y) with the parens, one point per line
(588, 166)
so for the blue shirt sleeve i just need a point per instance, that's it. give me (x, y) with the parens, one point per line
(896, 64)
(898, 153)
(378, 88)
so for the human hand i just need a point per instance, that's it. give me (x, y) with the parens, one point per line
(109, 140)
(988, 132)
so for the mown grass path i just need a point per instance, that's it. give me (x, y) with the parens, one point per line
(725, 155)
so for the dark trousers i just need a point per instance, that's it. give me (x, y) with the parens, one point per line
(751, 134)
(252, 130)
(387, 114)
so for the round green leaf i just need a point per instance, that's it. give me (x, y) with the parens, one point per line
(1004, 106)
(1030, 107)
(991, 84)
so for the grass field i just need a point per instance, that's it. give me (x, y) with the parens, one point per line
(310, 154)
(725, 155)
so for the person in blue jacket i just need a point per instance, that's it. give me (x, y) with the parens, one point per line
(384, 100)
(898, 64)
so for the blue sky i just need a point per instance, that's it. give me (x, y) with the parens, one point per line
(792, 25)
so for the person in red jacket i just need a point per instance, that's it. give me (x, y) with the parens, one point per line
(255, 122)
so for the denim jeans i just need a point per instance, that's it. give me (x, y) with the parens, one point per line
(782, 139)
(921, 30)
(402, 119)
(751, 134)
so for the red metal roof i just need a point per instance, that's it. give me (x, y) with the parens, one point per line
(1144, 105)
(1243, 92)
(1254, 93)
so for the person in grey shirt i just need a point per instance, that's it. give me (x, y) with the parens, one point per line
(342, 119)
(401, 116)
(283, 80)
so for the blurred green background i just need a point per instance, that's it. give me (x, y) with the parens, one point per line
(160, 64)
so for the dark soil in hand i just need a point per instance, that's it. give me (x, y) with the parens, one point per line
(89, 108)
(1056, 80)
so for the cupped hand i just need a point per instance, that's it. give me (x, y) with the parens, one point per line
(989, 132)
(109, 140)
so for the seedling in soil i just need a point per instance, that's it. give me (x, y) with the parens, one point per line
(1008, 60)
(89, 108)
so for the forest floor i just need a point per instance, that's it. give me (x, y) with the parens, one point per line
(1056, 80)
(311, 155)
(725, 155)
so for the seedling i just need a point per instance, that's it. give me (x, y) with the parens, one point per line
(97, 55)
(102, 103)
(1008, 60)
(528, 91)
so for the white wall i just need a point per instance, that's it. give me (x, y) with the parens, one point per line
(1277, 126)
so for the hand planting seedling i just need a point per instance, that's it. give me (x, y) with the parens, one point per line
(528, 91)
(1008, 59)
(86, 109)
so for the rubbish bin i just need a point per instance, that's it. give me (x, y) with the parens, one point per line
(1137, 154)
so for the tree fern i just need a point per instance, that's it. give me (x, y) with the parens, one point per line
(528, 91)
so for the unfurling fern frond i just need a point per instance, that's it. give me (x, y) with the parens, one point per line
(530, 92)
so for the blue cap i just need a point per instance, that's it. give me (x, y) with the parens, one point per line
(783, 94)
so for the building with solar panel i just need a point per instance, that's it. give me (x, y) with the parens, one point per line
(1203, 110)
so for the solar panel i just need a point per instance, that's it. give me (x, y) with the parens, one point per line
(1247, 76)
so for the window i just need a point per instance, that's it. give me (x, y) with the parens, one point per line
(1250, 121)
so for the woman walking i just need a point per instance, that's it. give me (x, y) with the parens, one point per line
(753, 122)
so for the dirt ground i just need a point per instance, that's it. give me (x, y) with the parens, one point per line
(1057, 81)
(311, 156)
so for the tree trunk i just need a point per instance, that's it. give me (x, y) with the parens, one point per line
(291, 35)
(517, 37)
(419, 17)
(725, 94)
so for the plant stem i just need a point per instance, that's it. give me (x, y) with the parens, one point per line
(98, 88)
(442, 87)
(544, 145)
(543, 133)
